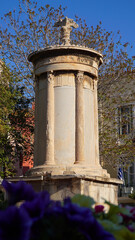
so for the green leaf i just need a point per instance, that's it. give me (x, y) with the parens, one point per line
(114, 211)
(83, 201)
(120, 232)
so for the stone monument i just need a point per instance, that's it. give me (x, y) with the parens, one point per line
(66, 151)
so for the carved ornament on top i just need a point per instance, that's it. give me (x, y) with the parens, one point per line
(66, 25)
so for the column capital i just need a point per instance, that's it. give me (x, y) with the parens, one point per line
(50, 76)
(79, 77)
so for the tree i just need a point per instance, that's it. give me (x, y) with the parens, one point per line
(22, 124)
(31, 28)
(117, 121)
(14, 113)
(6, 108)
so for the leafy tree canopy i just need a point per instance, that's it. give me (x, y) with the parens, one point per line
(13, 119)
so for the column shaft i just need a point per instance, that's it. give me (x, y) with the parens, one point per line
(36, 134)
(79, 142)
(96, 124)
(50, 120)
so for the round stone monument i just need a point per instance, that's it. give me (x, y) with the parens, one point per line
(66, 151)
(66, 119)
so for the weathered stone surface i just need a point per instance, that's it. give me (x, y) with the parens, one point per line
(67, 185)
(66, 62)
(66, 116)
(71, 102)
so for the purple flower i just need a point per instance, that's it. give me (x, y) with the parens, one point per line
(36, 210)
(37, 207)
(40, 218)
(131, 228)
(14, 224)
(96, 231)
(132, 211)
(81, 220)
(77, 213)
(99, 208)
(18, 191)
(126, 218)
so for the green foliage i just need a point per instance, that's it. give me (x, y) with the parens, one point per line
(120, 232)
(7, 104)
(83, 201)
(114, 213)
(132, 195)
(116, 220)
(6, 98)
(14, 107)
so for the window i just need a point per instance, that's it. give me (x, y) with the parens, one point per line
(125, 120)
(127, 168)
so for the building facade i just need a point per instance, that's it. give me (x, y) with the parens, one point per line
(117, 129)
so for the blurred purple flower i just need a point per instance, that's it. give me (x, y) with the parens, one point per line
(126, 218)
(36, 210)
(38, 216)
(37, 207)
(99, 208)
(76, 213)
(131, 228)
(82, 219)
(14, 224)
(96, 231)
(19, 191)
(132, 211)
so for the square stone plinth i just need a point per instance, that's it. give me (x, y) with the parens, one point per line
(62, 186)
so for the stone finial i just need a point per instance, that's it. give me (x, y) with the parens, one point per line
(66, 25)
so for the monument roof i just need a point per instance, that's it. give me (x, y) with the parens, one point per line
(66, 25)
(61, 49)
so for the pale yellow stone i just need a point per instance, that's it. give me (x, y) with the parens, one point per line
(66, 116)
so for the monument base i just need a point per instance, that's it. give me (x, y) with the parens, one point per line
(62, 186)
(68, 170)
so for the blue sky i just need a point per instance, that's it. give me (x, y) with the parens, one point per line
(115, 15)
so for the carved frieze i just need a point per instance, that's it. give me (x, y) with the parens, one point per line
(67, 59)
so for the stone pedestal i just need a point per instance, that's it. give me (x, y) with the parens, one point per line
(65, 185)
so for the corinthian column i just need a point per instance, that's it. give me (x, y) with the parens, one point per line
(50, 120)
(79, 142)
(96, 123)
